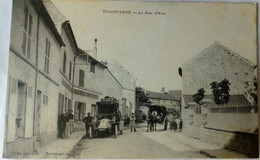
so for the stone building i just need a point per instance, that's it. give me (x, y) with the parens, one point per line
(233, 123)
(33, 78)
(166, 99)
(88, 84)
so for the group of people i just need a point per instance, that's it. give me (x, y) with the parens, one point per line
(89, 121)
(176, 125)
(65, 124)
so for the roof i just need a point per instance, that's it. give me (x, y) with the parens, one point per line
(44, 14)
(69, 32)
(238, 99)
(60, 22)
(158, 95)
(176, 93)
(57, 17)
(86, 55)
(216, 48)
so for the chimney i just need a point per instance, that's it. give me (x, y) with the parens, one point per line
(95, 49)
(163, 90)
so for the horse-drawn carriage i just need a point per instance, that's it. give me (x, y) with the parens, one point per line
(156, 114)
(106, 116)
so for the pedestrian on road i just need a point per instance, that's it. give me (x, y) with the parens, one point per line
(62, 124)
(71, 123)
(118, 117)
(88, 122)
(180, 125)
(132, 122)
(66, 133)
(166, 123)
(175, 126)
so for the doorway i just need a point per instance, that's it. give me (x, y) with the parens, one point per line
(38, 116)
(80, 111)
(21, 109)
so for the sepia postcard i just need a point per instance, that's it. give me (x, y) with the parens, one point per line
(131, 80)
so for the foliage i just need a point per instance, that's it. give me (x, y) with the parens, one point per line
(198, 96)
(221, 91)
(140, 96)
(252, 90)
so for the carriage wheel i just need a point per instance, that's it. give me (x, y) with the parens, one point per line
(115, 131)
(90, 133)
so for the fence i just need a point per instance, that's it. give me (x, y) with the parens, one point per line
(234, 109)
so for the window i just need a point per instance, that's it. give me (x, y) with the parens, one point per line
(64, 63)
(27, 33)
(92, 67)
(81, 78)
(45, 99)
(47, 56)
(70, 71)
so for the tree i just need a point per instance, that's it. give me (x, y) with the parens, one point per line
(140, 96)
(220, 91)
(252, 90)
(198, 96)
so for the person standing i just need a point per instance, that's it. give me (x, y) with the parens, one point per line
(165, 123)
(71, 123)
(180, 125)
(66, 133)
(62, 125)
(132, 122)
(118, 117)
(88, 122)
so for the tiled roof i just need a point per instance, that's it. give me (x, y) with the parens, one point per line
(158, 95)
(233, 99)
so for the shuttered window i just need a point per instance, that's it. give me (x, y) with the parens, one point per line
(70, 71)
(81, 78)
(64, 63)
(47, 56)
(27, 33)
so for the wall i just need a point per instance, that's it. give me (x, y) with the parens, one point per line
(244, 122)
(21, 69)
(92, 81)
(111, 87)
(214, 64)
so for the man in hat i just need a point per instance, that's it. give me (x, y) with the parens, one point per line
(88, 122)
(62, 125)
(118, 117)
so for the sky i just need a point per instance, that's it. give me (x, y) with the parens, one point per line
(152, 47)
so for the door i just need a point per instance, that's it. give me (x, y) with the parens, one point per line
(38, 116)
(93, 110)
(76, 112)
(21, 108)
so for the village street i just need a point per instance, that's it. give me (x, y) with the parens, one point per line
(140, 144)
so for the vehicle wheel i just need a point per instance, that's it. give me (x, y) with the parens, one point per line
(90, 132)
(116, 131)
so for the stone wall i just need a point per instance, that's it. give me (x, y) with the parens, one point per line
(216, 63)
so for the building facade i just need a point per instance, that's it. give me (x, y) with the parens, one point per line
(33, 78)
(165, 99)
(234, 123)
